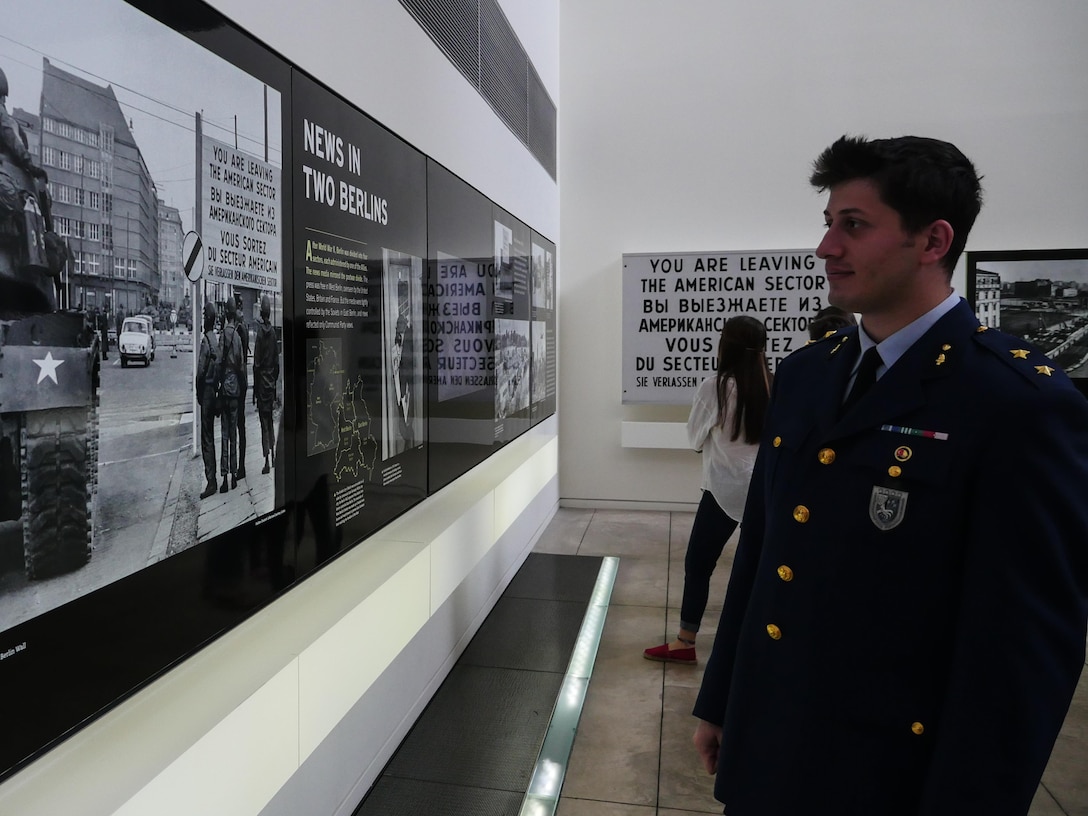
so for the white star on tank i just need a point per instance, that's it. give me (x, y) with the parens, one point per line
(48, 367)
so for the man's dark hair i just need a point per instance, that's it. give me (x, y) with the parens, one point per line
(922, 179)
(829, 319)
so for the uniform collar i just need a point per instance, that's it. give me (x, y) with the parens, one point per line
(896, 345)
(933, 355)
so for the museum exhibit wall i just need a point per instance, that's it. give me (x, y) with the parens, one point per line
(692, 127)
(296, 709)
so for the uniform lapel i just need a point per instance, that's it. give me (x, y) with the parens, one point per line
(826, 384)
(935, 355)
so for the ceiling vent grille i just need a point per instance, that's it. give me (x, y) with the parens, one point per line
(542, 124)
(452, 25)
(504, 69)
(476, 37)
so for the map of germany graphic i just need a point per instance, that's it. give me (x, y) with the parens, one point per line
(336, 413)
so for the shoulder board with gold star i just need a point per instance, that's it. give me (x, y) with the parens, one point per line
(826, 336)
(1022, 356)
(825, 345)
(830, 342)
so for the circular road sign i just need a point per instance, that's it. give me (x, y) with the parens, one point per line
(192, 251)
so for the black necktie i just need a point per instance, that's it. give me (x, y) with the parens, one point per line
(866, 376)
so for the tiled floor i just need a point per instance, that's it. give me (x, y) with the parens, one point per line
(632, 753)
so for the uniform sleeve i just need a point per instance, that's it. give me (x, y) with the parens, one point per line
(1019, 641)
(222, 357)
(258, 353)
(713, 695)
(9, 133)
(202, 360)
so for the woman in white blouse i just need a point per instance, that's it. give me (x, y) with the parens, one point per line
(725, 425)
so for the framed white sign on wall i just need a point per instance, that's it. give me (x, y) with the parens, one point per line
(675, 304)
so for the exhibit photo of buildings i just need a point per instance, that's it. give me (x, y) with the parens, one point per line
(511, 367)
(111, 107)
(1040, 296)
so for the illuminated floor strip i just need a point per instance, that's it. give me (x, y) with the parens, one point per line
(542, 798)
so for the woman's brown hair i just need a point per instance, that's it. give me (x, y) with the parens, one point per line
(741, 358)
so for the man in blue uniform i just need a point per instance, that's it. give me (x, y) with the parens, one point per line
(905, 620)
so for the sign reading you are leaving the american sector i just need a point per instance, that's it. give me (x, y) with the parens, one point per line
(675, 304)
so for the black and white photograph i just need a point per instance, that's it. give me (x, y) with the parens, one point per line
(511, 367)
(402, 363)
(543, 373)
(460, 327)
(118, 125)
(1040, 296)
(242, 322)
(504, 264)
(511, 352)
(543, 272)
(540, 361)
(141, 220)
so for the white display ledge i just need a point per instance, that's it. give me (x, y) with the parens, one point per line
(654, 435)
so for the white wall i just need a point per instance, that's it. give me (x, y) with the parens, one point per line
(297, 710)
(693, 125)
(375, 54)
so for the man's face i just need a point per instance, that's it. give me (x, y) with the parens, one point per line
(870, 261)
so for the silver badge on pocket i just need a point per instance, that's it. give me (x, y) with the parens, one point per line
(887, 507)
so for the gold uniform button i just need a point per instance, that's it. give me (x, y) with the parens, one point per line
(785, 573)
(800, 514)
(918, 728)
(777, 441)
(895, 471)
(826, 456)
(774, 632)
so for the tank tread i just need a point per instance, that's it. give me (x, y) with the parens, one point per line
(92, 446)
(57, 493)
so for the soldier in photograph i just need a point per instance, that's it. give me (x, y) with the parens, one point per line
(207, 386)
(51, 255)
(243, 336)
(102, 323)
(905, 621)
(405, 363)
(12, 142)
(266, 372)
(231, 361)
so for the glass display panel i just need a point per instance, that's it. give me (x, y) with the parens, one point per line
(511, 279)
(154, 162)
(360, 239)
(544, 352)
(460, 326)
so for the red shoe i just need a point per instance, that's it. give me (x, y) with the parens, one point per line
(664, 654)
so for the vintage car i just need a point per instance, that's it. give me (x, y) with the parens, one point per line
(137, 340)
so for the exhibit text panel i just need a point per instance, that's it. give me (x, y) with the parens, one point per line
(675, 304)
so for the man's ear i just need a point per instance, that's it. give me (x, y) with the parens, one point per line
(937, 238)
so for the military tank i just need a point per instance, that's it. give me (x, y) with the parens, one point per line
(49, 378)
